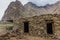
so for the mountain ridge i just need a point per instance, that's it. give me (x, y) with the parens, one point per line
(16, 10)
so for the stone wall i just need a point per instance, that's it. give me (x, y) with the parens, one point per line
(37, 25)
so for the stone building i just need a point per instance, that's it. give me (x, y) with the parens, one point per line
(43, 21)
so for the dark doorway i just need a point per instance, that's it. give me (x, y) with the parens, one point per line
(49, 28)
(26, 27)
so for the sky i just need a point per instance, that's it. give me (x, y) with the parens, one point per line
(4, 4)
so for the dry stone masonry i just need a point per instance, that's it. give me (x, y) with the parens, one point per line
(34, 21)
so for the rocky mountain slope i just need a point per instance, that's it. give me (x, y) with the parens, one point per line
(14, 10)
(17, 10)
(33, 10)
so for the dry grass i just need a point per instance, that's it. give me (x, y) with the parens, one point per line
(5, 25)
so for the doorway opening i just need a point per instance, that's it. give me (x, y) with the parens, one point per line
(49, 28)
(26, 27)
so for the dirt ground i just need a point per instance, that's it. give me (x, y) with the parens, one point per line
(31, 38)
(2, 31)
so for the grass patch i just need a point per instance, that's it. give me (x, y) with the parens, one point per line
(5, 25)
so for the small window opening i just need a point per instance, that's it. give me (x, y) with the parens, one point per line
(49, 28)
(10, 20)
(26, 27)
